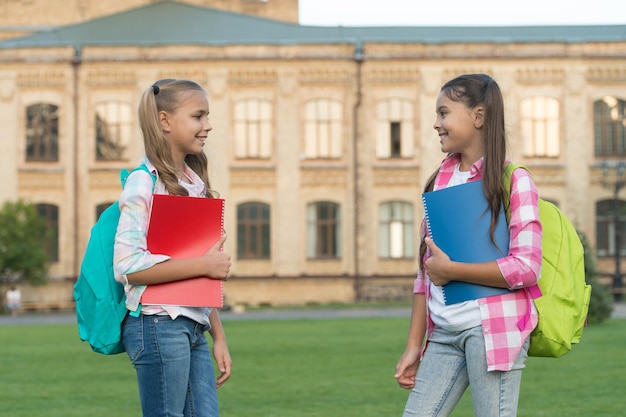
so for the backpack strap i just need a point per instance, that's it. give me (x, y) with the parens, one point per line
(534, 291)
(506, 181)
(124, 173)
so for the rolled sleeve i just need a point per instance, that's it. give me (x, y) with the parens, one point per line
(522, 266)
(130, 251)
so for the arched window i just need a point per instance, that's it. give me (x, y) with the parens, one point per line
(609, 122)
(322, 129)
(253, 231)
(540, 127)
(42, 133)
(323, 230)
(608, 225)
(50, 235)
(396, 230)
(114, 129)
(395, 129)
(253, 129)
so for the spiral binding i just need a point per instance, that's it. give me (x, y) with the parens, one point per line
(426, 216)
(222, 235)
(431, 236)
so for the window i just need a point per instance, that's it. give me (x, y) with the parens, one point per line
(113, 130)
(323, 231)
(100, 209)
(606, 230)
(322, 129)
(253, 129)
(42, 133)
(395, 139)
(609, 127)
(540, 127)
(50, 234)
(395, 129)
(396, 231)
(253, 231)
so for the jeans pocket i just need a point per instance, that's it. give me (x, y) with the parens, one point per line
(133, 336)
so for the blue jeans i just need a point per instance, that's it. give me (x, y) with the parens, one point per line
(454, 361)
(174, 366)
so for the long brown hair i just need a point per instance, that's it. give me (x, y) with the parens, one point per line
(166, 95)
(475, 90)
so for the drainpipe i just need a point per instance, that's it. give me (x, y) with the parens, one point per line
(358, 60)
(75, 68)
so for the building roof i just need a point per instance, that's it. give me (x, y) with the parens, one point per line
(173, 23)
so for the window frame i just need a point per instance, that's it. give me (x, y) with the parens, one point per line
(323, 231)
(396, 217)
(395, 116)
(120, 130)
(253, 129)
(540, 125)
(605, 227)
(323, 125)
(253, 231)
(609, 127)
(42, 132)
(50, 234)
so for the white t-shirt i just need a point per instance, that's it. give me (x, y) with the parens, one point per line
(458, 316)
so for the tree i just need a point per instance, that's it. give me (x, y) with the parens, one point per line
(601, 303)
(22, 244)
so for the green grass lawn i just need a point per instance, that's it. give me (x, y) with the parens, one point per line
(295, 368)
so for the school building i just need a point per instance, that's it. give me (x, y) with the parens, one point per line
(322, 136)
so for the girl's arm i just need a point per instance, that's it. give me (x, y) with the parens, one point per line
(522, 265)
(406, 369)
(220, 348)
(134, 264)
(442, 270)
(214, 264)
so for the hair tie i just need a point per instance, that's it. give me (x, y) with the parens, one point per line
(155, 89)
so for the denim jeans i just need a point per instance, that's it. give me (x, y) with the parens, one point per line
(174, 366)
(452, 362)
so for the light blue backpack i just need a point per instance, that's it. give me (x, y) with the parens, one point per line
(100, 300)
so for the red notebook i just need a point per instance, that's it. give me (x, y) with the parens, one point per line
(185, 227)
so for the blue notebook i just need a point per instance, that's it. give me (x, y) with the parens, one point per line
(458, 219)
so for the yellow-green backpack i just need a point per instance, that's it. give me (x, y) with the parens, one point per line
(564, 303)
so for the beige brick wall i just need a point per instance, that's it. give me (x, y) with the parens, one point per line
(288, 76)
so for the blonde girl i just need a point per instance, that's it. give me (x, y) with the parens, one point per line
(167, 344)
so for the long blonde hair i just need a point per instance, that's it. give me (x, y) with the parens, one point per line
(166, 95)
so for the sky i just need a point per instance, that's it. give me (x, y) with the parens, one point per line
(460, 12)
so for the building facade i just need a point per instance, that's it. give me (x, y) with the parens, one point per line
(322, 137)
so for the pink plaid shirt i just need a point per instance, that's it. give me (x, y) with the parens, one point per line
(507, 320)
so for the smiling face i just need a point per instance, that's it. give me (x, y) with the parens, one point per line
(458, 126)
(187, 127)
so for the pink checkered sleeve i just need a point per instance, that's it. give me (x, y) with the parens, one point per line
(504, 337)
(522, 266)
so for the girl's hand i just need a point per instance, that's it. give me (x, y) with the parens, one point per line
(218, 262)
(438, 264)
(223, 361)
(406, 369)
